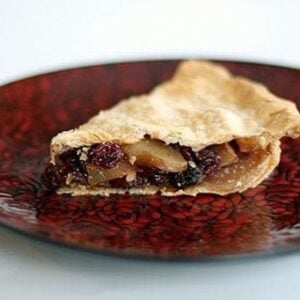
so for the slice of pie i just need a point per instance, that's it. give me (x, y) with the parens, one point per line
(203, 131)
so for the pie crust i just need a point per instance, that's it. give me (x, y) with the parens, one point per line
(202, 105)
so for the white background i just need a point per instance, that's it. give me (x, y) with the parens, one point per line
(38, 36)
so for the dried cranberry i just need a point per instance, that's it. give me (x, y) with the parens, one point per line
(54, 176)
(208, 160)
(106, 155)
(187, 178)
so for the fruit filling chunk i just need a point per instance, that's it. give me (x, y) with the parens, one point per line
(146, 162)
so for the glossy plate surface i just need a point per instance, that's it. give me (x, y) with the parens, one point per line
(262, 220)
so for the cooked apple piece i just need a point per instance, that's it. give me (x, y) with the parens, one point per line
(226, 153)
(155, 154)
(252, 144)
(98, 175)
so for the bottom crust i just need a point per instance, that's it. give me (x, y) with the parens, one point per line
(249, 172)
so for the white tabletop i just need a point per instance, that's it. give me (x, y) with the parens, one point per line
(38, 36)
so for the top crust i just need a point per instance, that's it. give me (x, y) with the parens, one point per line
(202, 104)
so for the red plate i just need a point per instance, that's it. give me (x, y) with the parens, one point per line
(262, 220)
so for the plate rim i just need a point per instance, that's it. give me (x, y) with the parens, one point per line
(148, 60)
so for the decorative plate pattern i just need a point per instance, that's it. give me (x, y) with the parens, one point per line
(262, 220)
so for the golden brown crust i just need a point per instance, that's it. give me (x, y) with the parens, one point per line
(203, 104)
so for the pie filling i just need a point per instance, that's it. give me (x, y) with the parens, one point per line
(147, 162)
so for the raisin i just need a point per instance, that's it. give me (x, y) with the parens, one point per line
(79, 177)
(187, 178)
(54, 176)
(106, 155)
(207, 160)
(159, 177)
(66, 163)
(70, 159)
